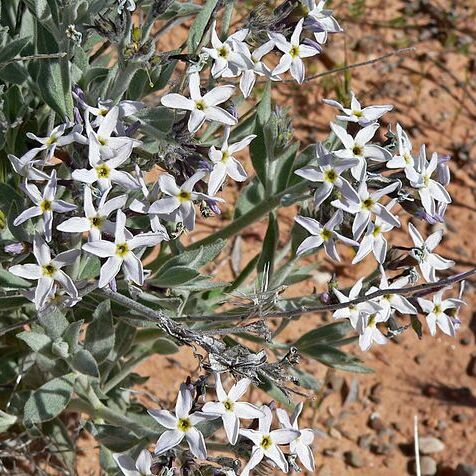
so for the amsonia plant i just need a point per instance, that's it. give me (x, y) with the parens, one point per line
(113, 151)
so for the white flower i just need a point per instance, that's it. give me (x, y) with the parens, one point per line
(143, 206)
(320, 20)
(328, 171)
(120, 253)
(126, 108)
(181, 425)
(57, 297)
(45, 205)
(403, 158)
(301, 445)
(266, 442)
(105, 172)
(368, 204)
(57, 138)
(436, 315)
(355, 113)
(359, 148)
(203, 108)
(428, 189)
(129, 467)
(323, 235)
(373, 240)
(230, 409)
(25, 165)
(48, 271)
(128, 4)
(423, 253)
(293, 53)
(225, 164)
(179, 200)
(368, 330)
(256, 66)
(224, 54)
(354, 311)
(390, 301)
(94, 221)
(105, 145)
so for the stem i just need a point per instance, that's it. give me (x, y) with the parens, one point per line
(129, 366)
(122, 81)
(249, 218)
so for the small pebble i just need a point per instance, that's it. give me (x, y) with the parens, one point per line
(471, 368)
(335, 433)
(365, 441)
(354, 459)
(383, 448)
(465, 470)
(430, 445)
(427, 465)
(376, 393)
(461, 418)
(375, 422)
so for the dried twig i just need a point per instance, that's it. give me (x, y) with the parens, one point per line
(45, 56)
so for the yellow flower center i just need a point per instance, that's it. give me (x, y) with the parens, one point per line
(330, 175)
(102, 112)
(52, 139)
(426, 180)
(228, 404)
(122, 250)
(102, 141)
(184, 424)
(294, 51)
(377, 231)
(372, 320)
(266, 442)
(103, 171)
(200, 105)
(48, 270)
(224, 156)
(97, 222)
(357, 150)
(387, 297)
(326, 234)
(437, 309)
(45, 206)
(184, 196)
(407, 158)
(367, 204)
(357, 113)
(223, 52)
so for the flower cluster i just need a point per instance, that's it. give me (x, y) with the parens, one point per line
(348, 185)
(185, 425)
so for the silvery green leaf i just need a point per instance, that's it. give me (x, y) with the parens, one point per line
(53, 322)
(10, 281)
(100, 334)
(84, 362)
(36, 341)
(6, 421)
(199, 25)
(49, 400)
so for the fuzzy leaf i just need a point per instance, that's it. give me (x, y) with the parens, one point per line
(84, 362)
(49, 400)
(200, 24)
(100, 335)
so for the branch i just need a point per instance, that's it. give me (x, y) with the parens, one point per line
(421, 289)
(34, 57)
(400, 52)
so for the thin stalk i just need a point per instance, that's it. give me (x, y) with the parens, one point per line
(129, 366)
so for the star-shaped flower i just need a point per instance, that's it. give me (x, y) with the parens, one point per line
(120, 254)
(323, 235)
(266, 442)
(179, 200)
(105, 172)
(423, 252)
(25, 165)
(354, 311)
(182, 425)
(94, 221)
(301, 446)
(429, 189)
(58, 138)
(368, 204)
(329, 172)
(225, 164)
(403, 159)
(368, 330)
(363, 117)
(294, 52)
(45, 205)
(320, 21)
(47, 271)
(230, 409)
(358, 147)
(203, 108)
(439, 313)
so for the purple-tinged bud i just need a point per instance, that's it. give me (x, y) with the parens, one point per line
(325, 298)
(311, 24)
(205, 165)
(78, 93)
(132, 129)
(78, 119)
(213, 206)
(15, 248)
